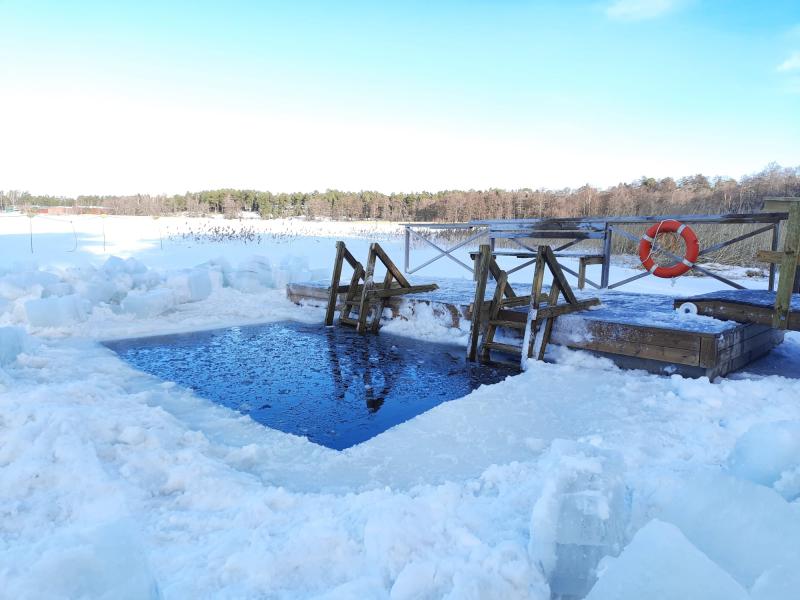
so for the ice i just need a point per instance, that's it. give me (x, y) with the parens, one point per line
(579, 518)
(26, 283)
(148, 304)
(252, 276)
(103, 563)
(57, 311)
(780, 583)
(746, 528)
(190, 286)
(766, 452)
(98, 290)
(114, 265)
(61, 288)
(661, 564)
(13, 341)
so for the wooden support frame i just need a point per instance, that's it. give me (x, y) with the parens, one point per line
(363, 292)
(787, 274)
(542, 308)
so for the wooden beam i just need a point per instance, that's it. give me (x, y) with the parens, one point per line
(775, 258)
(387, 283)
(369, 274)
(337, 273)
(482, 273)
(788, 267)
(401, 291)
(389, 264)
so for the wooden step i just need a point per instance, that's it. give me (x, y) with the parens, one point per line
(508, 324)
(348, 321)
(508, 348)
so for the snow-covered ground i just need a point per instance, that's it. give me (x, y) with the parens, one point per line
(118, 485)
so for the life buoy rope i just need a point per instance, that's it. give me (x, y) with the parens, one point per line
(679, 268)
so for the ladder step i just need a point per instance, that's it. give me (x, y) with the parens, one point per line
(508, 324)
(508, 348)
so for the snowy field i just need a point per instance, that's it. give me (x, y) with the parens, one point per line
(574, 479)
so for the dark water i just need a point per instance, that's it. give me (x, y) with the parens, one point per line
(331, 385)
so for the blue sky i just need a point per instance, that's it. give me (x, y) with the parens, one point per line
(165, 97)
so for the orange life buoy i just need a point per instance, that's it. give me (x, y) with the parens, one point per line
(679, 268)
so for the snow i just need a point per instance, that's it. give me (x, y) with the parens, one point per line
(574, 477)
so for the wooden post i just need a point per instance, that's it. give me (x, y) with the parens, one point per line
(773, 270)
(387, 283)
(482, 273)
(788, 264)
(366, 291)
(337, 274)
(488, 331)
(606, 272)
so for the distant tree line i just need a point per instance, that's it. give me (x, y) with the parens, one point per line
(695, 194)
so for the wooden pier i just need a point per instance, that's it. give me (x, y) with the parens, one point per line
(659, 340)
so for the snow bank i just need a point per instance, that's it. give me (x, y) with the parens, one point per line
(661, 564)
(85, 300)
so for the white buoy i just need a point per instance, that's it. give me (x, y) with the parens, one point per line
(688, 308)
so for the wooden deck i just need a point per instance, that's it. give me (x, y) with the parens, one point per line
(751, 306)
(636, 331)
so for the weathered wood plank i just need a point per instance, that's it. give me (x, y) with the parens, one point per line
(337, 274)
(487, 336)
(743, 313)
(381, 292)
(482, 274)
(773, 257)
(389, 264)
(788, 267)
(369, 274)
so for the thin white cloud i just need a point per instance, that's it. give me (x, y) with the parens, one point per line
(639, 10)
(791, 64)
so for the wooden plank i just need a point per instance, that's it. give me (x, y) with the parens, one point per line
(402, 291)
(546, 312)
(752, 350)
(358, 273)
(389, 264)
(671, 355)
(351, 260)
(547, 324)
(558, 274)
(687, 340)
(337, 274)
(487, 335)
(743, 313)
(387, 283)
(776, 258)
(482, 273)
(788, 267)
(495, 270)
(507, 348)
(369, 274)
